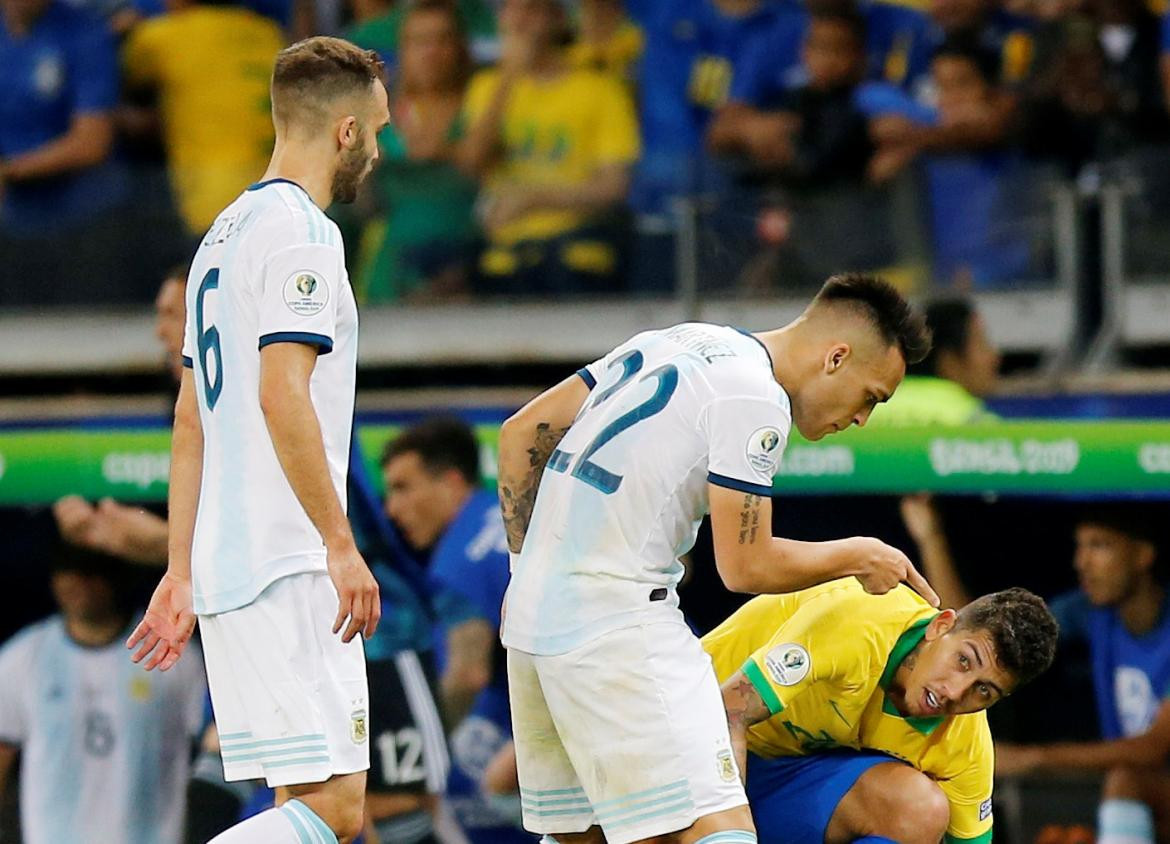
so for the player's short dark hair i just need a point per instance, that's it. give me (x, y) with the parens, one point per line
(317, 71)
(895, 319)
(949, 321)
(1023, 630)
(442, 443)
(842, 12)
(966, 48)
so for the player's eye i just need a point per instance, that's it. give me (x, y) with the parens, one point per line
(984, 691)
(964, 662)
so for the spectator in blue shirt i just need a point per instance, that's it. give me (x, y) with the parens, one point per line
(811, 134)
(432, 473)
(1121, 611)
(695, 55)
(58, 86)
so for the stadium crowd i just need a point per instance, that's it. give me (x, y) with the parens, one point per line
(540, 148)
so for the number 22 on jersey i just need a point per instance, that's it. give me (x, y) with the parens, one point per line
(583, 467)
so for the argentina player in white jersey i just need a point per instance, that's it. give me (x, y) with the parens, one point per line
(619, 725)
(260, 548)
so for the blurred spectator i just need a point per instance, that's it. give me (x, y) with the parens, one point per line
(607, 40)
(970, 174)
(119, 530)
(1121, 611)
(433, 474)
(698, 55)
(812, 135)
(378, 25)
(423, 245)
(105, 748)
(554, 146)
(949, 386)
(208, 66)
(903, 41)
(58, 88)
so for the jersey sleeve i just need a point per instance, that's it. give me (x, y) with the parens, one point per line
(477, 584)
(746, 436)
(301, 290)
(822, 642)
(479, 94)
(14, 662)
(969, 790)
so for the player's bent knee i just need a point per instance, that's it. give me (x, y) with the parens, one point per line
(900, 803)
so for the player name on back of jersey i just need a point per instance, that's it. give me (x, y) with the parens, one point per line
(698, 339)
(226, 226)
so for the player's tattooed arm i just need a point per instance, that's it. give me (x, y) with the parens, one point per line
(518, 494)
(527, 440)
(749, 519)
(744, 707)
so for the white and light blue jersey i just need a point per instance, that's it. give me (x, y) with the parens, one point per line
(623, 494)
(271, 269)
(105, 746)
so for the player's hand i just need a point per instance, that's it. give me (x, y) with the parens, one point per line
(1014, 759)
(357, 593)
(882, 567)
(167, 626)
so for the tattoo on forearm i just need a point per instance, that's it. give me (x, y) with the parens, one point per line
(749, 519)
(518, 494)
(744, 707)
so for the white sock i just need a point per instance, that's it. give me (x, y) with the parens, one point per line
(292, 823)
(1124, 822)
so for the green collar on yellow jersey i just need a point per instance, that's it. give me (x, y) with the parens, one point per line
(907, 642)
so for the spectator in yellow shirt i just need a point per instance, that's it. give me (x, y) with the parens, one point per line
(553, 146)
(209, 66)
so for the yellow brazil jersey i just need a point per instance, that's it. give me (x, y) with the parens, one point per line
(821, 660)
(211, 67)
(556, 132)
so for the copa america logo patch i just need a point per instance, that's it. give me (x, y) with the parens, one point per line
(788, 664)
(763, 449)
(985, 809)
(305, 293)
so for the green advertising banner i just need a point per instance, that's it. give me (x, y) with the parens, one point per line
(38, 465)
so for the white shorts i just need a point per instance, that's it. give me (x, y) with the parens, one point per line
(627, 731)
(290, 698)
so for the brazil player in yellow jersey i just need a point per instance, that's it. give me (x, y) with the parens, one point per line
(861, 718)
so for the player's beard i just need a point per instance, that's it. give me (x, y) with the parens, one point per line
(352, 167)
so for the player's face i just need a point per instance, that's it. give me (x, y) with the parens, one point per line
(169, 315)
(359, 146)
(957, 14)
(955, 671)
(1109, 564)
(84, 597)
(852, 381)
(418, 501)
(960, 86)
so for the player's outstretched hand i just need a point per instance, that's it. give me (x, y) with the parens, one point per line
(167, 626)
(357, 593)
(883, 567)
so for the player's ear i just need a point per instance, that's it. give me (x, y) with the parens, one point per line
(347, 132)
(836, 356)
(941, 624)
